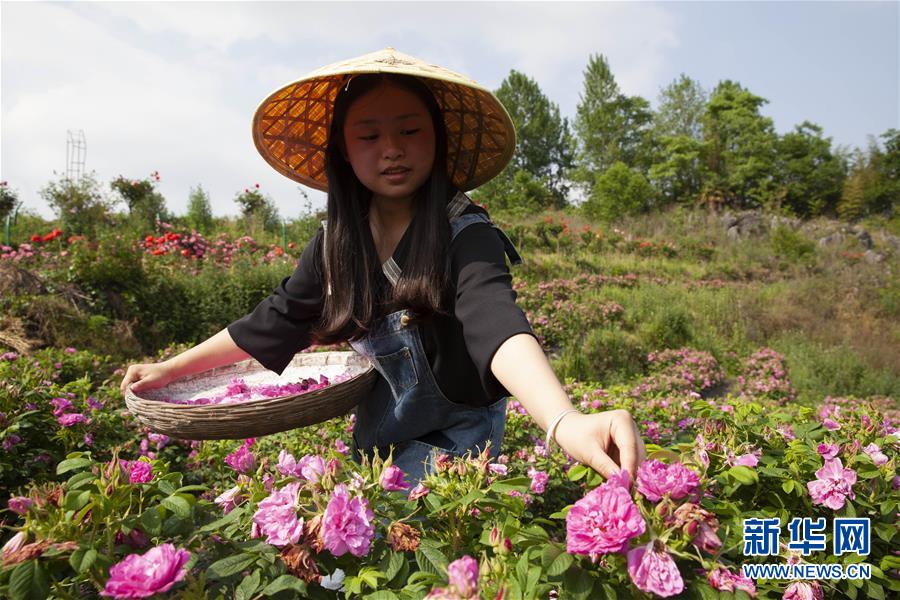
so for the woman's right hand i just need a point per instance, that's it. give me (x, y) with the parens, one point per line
(146, 377)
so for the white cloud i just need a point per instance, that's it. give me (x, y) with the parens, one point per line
(171, 86)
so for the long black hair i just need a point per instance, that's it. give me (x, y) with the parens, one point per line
(360, 293)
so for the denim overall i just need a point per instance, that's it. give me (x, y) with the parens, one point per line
(406, 408)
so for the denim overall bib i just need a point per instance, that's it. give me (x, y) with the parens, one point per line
(406, 408)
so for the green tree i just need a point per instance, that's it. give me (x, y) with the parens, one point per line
(886, 193)
(144, 203)
(873, 185)
(618, 191)
(8, 201)
(679, 165)
(520, 193)
(199, 213)
(543, 139)
(741, 146)
(682, 104)
(610, 126)
(809, 175)
(257, 210)
(79, 205)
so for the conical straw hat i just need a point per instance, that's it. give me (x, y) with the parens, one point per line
(290, 127)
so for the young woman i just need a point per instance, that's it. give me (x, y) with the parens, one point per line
(406, 269)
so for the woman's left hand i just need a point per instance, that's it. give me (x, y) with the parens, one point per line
(607, 442)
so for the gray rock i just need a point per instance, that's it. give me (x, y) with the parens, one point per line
(873, 257)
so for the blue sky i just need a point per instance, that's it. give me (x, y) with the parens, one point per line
(172, 86)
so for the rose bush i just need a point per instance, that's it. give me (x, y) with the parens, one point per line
(292, 514)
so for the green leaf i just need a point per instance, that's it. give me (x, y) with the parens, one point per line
(370, 576)
(166, 487)
(744, 475)
(82, 559)
(150, 521)
(178, 505)
(534, 574)
(518, 484)
(395, 562)
(71, 464)
(219, 523)
(247, 587)
(873, 590)
(285, 582)
(28, 581)
(556, 560)
(76, 500)
(431, 558)
(79, 479)
(577, 472)
(382, 595)
(885, 531)
(522, 570)
(578, 583)
(229, 566)
(788, 486)
(191, 488)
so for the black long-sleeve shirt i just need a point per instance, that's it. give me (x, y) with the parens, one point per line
(459, 348)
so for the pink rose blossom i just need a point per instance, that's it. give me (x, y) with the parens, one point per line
(229, 499)
(140, 472)
(287, 464)
(420, 491)
(744, 460)
(833, 486)
(830, 424)
(392, 479)
(348, 524)
(341, 447)
(14, 543)
(463, 576)
(653, 571)
(828, 451)
(655, 479)
(539, 481)
(276, 516)
(803, 590)
(725, 581)
(604, 520)
(70, 419)
(498, 468)
(141, 576)
(19, 504)
(241, 460)
(60, 405)
(875, 453)
(312, 467)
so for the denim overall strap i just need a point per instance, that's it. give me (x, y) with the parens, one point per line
(406, 409)
(463, 221)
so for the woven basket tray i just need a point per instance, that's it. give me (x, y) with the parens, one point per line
(257, 417)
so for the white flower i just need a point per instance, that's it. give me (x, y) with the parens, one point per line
(335, 581)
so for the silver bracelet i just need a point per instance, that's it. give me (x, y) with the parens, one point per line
(553, 424)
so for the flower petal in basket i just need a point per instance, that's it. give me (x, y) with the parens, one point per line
(161, 411)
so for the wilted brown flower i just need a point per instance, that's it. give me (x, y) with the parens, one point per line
(312, 534)
(27, 552)
(300, 563)
(402, 537)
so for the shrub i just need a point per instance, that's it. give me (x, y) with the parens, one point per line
(791, 245)
(617, 192)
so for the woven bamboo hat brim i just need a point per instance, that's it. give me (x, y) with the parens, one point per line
(290, 127)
